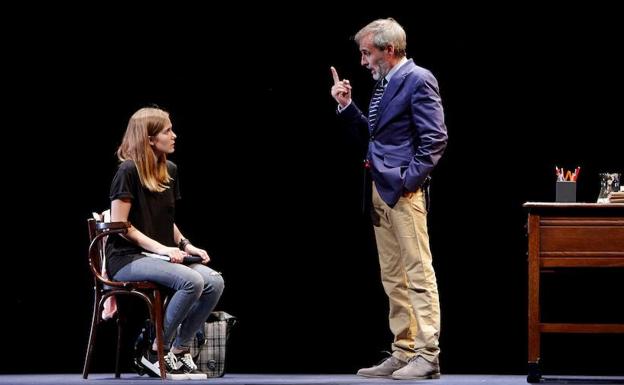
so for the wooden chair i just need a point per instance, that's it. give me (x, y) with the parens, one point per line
(104, 288)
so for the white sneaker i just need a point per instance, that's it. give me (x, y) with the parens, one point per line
(187, 365)
(150, 362)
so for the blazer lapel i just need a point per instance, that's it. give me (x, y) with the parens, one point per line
(391, 89)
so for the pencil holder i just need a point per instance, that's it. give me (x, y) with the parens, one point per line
(565, 191)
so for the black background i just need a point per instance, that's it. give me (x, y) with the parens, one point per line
(271, 181)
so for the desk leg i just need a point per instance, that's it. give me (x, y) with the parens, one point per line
(535, 373)
(534, 295)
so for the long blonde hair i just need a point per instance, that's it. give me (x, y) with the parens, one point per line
(135, 146)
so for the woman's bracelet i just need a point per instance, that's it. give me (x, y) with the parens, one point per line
(183, 243)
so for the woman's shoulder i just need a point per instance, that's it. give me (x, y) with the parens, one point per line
(127, 165)
(171, 167)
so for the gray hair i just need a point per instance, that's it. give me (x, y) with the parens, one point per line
(385, 32)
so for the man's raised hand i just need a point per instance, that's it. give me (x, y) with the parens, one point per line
(341, 90)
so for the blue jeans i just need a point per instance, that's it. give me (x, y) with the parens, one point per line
(197, 291)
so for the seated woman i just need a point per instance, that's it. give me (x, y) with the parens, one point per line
(144, 192)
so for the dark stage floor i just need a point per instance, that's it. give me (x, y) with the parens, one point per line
(298, 379)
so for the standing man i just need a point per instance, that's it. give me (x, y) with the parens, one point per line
(406, 138)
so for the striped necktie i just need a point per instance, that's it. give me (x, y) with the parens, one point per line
(374, 103)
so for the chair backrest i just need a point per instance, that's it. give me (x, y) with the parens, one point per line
(98, 232)
(106, 290)
(97, 248)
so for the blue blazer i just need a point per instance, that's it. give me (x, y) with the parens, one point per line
(409, 136)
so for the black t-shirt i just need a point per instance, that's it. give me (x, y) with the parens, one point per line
(152, 213)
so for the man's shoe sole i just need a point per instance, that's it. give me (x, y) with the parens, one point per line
(373, 376)
(434, 376)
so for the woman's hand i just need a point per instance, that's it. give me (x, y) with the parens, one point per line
(175, 255)
(192, 250)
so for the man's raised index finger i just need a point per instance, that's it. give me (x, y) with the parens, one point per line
(334, 75)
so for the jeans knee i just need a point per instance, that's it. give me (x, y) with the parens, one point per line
(215, 283)
(194, 284)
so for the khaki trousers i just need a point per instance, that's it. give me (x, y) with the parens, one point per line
(408, 277)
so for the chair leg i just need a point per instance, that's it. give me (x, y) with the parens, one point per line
(158, 324)
(92, 333)
(119, 325)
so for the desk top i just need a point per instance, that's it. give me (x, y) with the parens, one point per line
(575, 205)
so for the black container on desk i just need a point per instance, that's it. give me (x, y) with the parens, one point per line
(565, 191)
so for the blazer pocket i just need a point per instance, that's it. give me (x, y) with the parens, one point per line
(392, 160)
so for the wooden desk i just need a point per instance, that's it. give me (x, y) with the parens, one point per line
(565, 235)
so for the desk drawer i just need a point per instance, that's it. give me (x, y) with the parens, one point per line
(569, 236)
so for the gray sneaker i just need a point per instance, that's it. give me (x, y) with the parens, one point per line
(418, 368)
(384, 369)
